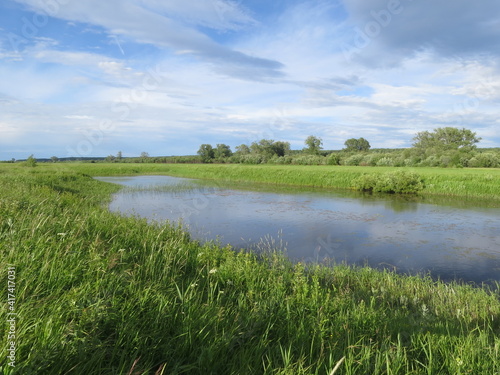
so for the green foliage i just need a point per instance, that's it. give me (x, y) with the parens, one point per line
(333, 159)
(385, 162)
(31, 162)
(485, 160)
(443, 139)
(353, 160)
(313, 145)
(401, 182)
(206, 153)
(242, 149)
(354, 144)
(309, 160)
(267, 148)
(222, 152)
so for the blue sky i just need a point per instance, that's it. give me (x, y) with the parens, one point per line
(93, 77)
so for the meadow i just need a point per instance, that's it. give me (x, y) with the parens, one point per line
(97, 293)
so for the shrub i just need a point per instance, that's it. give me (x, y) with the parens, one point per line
(280, 160)
(400, 182)
(385, 162)
(252, 159)
(333, 159)
(31, 161)
(431, 161)
(309, 160)
(485, 160)
(353, 159)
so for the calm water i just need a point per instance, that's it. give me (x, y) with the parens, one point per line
(451, 241)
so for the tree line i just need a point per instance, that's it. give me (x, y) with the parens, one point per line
(442, 147)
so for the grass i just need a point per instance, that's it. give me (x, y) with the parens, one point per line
(97, 293)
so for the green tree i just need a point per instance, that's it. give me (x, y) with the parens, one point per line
(243, 149)
(31, 161)
(206, 152)
(119, 155)
(269, 148)
(280, 148)
(446, 139)
(222, 151)
(54, 159)
(314, 145)
(359, 144)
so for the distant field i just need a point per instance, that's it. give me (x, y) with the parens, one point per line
(469, 183)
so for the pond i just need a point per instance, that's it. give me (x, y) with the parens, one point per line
(450, 239)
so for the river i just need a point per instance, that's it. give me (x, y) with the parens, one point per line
(450, 239)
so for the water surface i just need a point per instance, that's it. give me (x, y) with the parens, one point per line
(456, 240)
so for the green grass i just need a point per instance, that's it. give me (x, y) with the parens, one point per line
(97, 293)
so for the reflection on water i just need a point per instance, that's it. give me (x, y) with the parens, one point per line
(455, 240)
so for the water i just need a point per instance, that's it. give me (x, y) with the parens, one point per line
(451, 240)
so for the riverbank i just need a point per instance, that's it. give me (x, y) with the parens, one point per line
(97, 293)
(463, 183)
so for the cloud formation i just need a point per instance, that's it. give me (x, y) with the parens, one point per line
(94, 77)
(391, 30)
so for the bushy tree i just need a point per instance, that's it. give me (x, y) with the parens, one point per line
(269, 148)
(445, 139)
(31, 161)
(313, 145)
(243, 149)
(280, 148)
(222, 151)
(359, 144)
(206, 152)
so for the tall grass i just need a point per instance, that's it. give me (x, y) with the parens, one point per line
(102, 294)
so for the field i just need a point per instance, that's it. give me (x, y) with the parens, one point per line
(96, 293)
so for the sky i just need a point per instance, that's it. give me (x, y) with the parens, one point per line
(93, 77)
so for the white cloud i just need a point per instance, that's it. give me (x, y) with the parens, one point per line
(182, 73)
(139, 21)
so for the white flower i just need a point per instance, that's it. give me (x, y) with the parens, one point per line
(213, 270)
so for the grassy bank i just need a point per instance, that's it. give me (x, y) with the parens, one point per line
(464, 183)
(96, 293)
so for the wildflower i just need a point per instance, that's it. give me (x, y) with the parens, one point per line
(213, 270)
